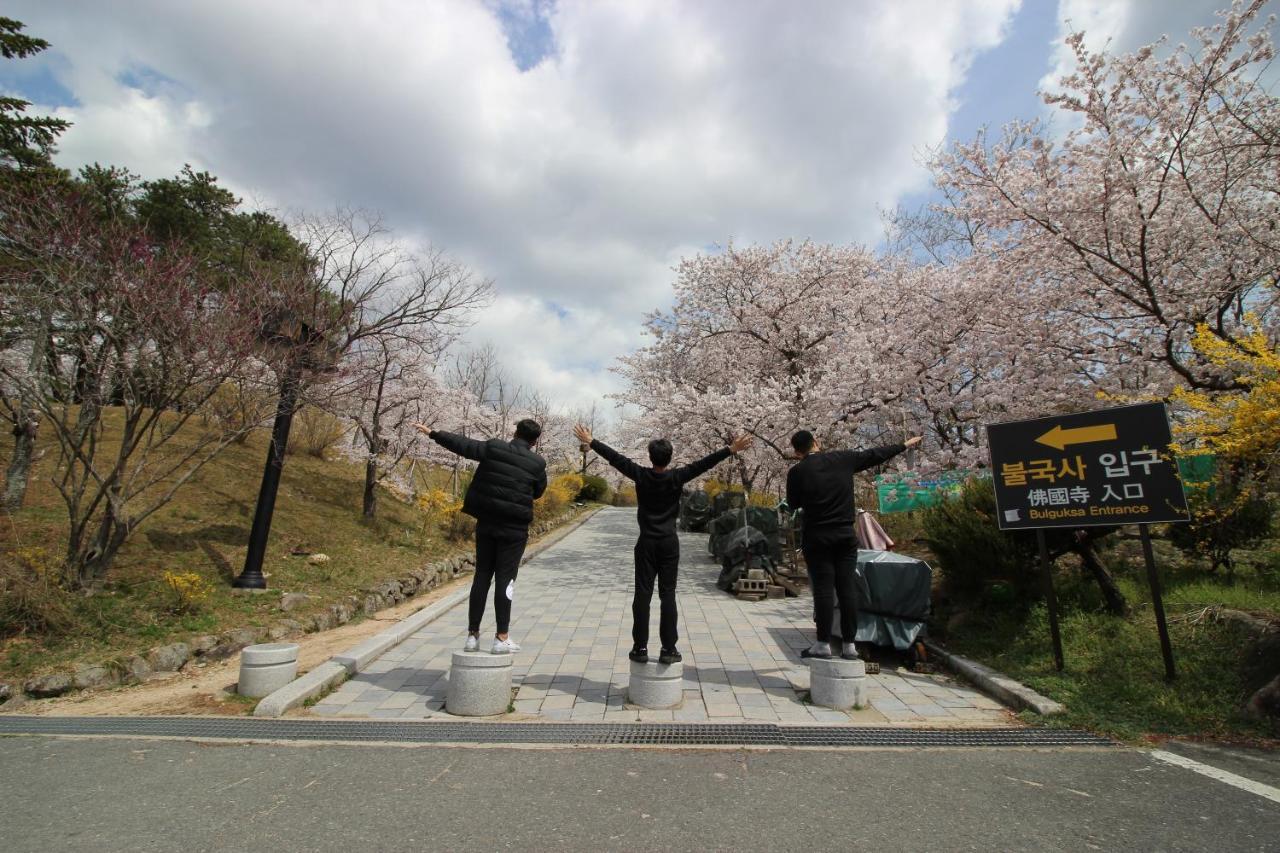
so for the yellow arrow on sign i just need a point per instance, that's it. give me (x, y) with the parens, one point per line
(1059, 438)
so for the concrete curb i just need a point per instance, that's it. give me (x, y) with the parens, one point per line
(342, 666)
(293, 694)
(998, 686)
(362, 654)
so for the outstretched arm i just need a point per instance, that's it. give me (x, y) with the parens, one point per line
(860, 460)
(694, 470)
(451, 441)
(706, 463)
(628, 468)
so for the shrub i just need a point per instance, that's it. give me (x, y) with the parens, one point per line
(972, 552)
(31, 600)
(625, 496)
(187, 591)
(238, 407)
(977, 558)
(594, 489)
(1225, 515)
(438, 506)
(460, 527)
(559, 494)
(714, 487)
(315, 432)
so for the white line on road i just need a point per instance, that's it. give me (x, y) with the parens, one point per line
(1265, 791)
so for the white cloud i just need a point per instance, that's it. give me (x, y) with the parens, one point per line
(651, 129)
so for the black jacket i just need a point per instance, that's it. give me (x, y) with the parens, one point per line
(822, 485)
(658, 492)
(507, 482)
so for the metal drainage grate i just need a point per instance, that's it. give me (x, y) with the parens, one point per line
(569, 734)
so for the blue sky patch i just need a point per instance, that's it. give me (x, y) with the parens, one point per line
(146, 79)
(36, 83)
(527, 26)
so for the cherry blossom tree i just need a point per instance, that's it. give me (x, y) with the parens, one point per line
(1155, 213)
(394, 387)
(769, 340)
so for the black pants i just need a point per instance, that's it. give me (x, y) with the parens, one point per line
(656, 558)
(497, 558)
(832, 559)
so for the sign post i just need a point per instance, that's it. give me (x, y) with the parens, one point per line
(1051, 600)
(1090, 469)
(1157, 602)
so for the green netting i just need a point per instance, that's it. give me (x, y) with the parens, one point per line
(908, 492)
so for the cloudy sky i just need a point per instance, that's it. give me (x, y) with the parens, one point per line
(571, 150)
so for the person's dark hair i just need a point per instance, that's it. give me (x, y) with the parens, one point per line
(660, 452)
(802, 441)
(529, 430)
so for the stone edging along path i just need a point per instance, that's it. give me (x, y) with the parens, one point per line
(340, 667)
(135, 669)
(997, 685)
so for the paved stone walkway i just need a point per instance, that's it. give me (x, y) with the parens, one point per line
(572, 617)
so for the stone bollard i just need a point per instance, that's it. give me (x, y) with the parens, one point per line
(656, 685)
(479, 684)
(837, 683)
(266, 667)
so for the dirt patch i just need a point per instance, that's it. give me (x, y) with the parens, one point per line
(210, 689)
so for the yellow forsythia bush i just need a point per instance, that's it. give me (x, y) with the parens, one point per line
(438, 505)
(1243, 425)
(188, 590)
(559, 494)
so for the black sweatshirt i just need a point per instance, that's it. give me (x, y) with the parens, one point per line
(822, 484)
(658, 492)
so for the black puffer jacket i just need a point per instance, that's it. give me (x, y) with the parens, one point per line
(510, 478)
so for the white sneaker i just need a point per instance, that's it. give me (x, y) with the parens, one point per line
(504, 647)
(472, 644)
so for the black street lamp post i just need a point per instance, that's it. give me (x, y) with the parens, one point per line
(251, 577)
(300, 346)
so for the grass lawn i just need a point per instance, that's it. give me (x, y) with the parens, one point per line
(205, 530)
(1114, 677)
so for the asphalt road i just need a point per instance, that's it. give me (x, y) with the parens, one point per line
(112, 794)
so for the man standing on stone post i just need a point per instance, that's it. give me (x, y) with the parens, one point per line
(821, 484)
(509, 479)
(657, 551)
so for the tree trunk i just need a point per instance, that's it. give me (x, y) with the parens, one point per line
(19, 472)
(1110, 592)
(371, 488)
(91, 566)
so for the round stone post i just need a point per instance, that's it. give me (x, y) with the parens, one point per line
(266, 667)
(837, 683)
(656, 685)
(479, 684)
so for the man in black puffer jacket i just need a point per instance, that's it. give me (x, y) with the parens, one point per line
(500, 498)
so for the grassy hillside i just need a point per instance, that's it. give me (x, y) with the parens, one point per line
(205, 531)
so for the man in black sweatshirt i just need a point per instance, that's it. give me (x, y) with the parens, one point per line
(508, 480)
(821, 484)
(658, 548)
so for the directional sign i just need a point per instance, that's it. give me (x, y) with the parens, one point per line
(1090, 469)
